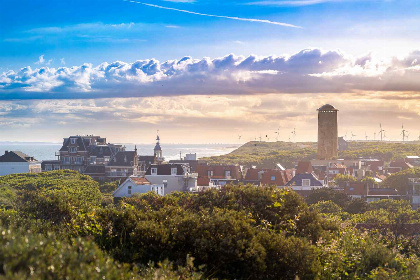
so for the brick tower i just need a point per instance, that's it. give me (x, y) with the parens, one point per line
(327, 132)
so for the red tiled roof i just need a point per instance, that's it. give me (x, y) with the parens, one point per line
(140, 180)
(304, 167)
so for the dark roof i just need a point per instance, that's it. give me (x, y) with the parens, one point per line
(101, 151)
(157, 147)
(327, 107)
(297, 180)
(80, 144)
(16, 156)
(165, 169)
(123, 158)
(147, 159)
(95, 169)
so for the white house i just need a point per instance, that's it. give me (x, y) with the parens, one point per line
(175, 176)
(137, 185)
(17, 162)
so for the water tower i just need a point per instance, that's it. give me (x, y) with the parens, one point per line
(327, 132)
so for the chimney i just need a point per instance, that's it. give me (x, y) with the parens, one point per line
(6, 152)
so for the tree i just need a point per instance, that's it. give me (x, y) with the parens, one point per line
(328, 194)
(399, 180)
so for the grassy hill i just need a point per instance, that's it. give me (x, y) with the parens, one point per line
(267, 154)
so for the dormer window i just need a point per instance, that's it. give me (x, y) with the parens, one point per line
(210, 173)
(306, 182)
(73, 140)
(154, 171)
(273, 178)
(174, 171)
(72, 149)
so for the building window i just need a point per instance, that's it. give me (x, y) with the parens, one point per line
(273, 178)
(129, 190)
(174, 171)
(73, 140)
(93, 160)
(106, 159)
(154, 171)
(48, 167)
(210, 173)
(306, 182)
(227, 173)
(72, 149)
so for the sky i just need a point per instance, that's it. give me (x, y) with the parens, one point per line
(202, 71)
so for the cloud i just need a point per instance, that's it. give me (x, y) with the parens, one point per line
(205, 116)
(308, 71)
(217, 16)
(293, 2)
(41, 60)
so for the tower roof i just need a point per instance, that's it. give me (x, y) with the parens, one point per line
(157, 147)
(327, 107)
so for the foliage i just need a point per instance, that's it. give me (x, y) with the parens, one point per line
(342, 179)
(61, 182)
(268, 154)
(328, 194)
(399, 180)
(327, 207)
(67, 229)
(108, 187)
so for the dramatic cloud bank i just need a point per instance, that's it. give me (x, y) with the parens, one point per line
(309, 71)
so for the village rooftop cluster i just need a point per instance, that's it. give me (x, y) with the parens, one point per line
(94, 156)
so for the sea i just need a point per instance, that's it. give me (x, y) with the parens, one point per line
(47, 151)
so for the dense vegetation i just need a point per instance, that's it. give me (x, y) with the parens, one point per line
(267, 154)
(54, 226)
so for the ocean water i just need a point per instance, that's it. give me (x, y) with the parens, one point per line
(46, 151)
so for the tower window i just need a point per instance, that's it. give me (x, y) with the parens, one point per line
(129, 190)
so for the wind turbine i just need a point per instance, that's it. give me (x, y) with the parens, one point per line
(403, 133)
(352, 135)
(268, 138)
(366, 136)
(278, 134)
(294, 134)
(374, 136)
(382, 132)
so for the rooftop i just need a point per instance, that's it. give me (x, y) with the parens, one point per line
(327, 107)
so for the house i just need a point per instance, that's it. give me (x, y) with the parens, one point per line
(413, 160)
(305, 181)
(122, 165)
(177, 177)
(17, 162)
(92, 155)
(191, 160)
(49, 165)
(220, 174)
(137, 185)
(267, 176)
(397, 166)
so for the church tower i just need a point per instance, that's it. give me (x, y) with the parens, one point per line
(327, 132)
(158, 150)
